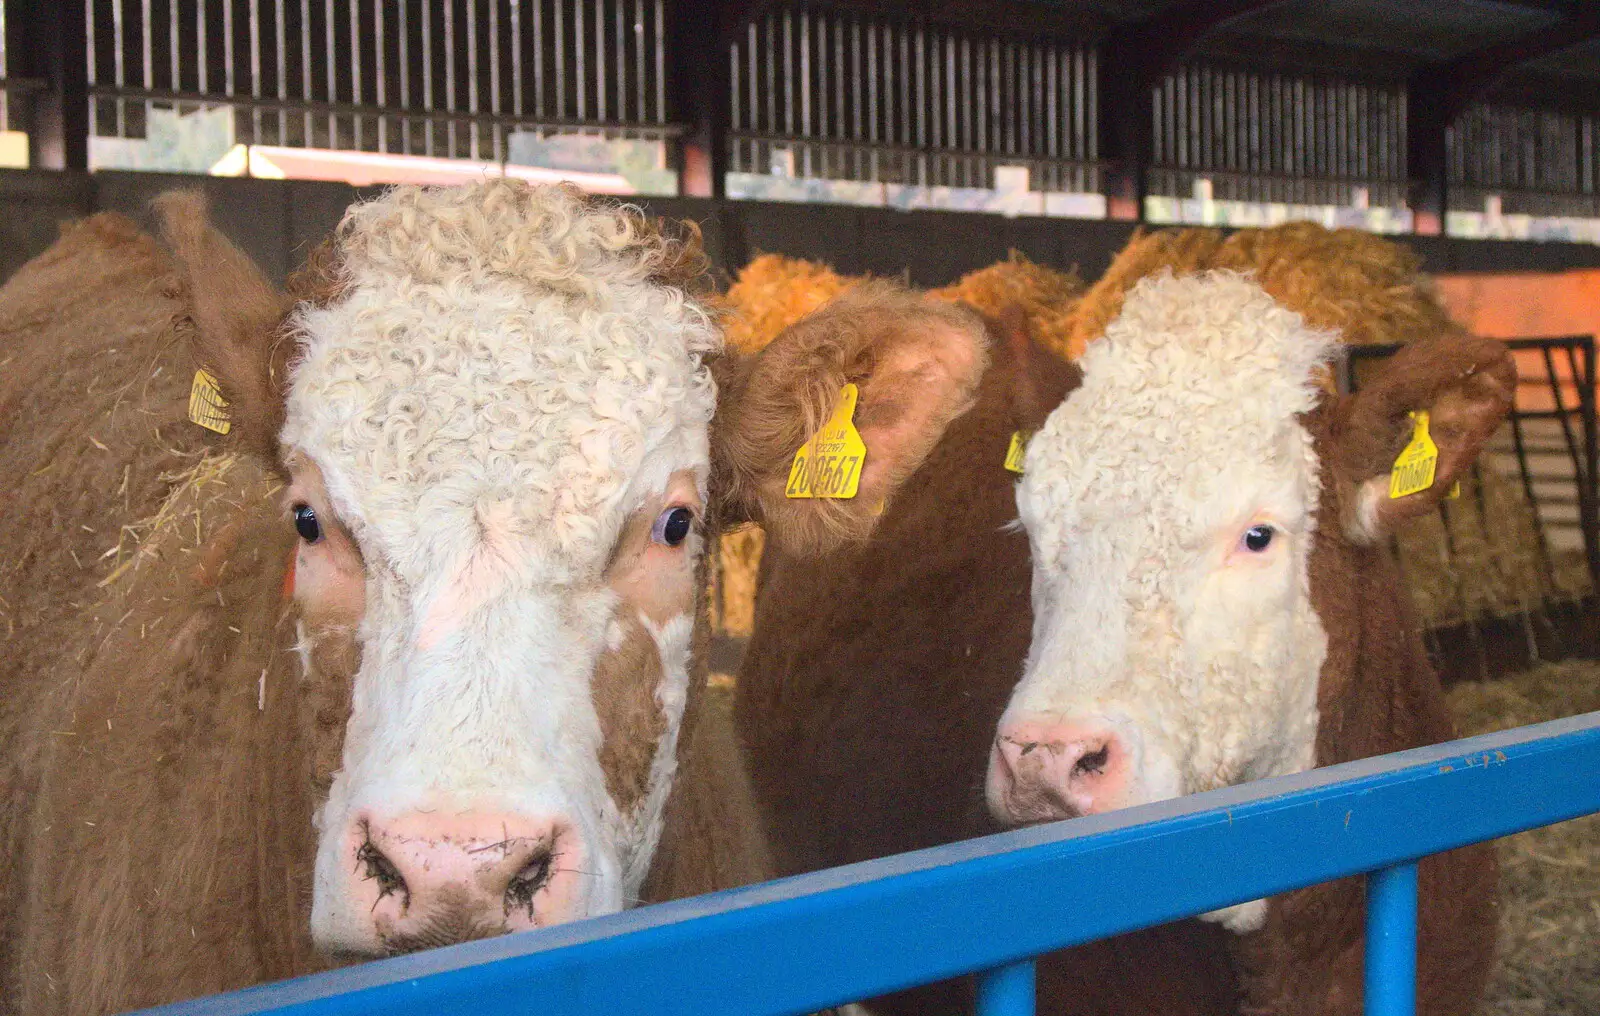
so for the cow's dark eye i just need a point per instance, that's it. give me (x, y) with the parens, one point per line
(306, 524)
(1258, 538)
(672, 526)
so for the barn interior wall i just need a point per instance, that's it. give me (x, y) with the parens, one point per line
(276, 221)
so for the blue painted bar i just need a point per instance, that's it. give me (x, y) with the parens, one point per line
(1007, 990)
(824, 939)
(1391, 971)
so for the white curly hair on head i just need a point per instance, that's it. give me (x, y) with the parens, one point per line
(564, 321)
(548, 236)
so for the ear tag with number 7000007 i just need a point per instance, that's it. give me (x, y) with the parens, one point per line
(1414, 469)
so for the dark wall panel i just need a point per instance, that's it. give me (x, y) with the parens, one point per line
(1085, 244)
(830, 233)
(314, 209)
(1441, 254)
(932, 248)
(33, 204)
(253, 213)
(276, 222)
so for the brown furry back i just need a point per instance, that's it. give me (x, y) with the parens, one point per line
(93, 402)
(94, 382)
(1370, 288)
(1046, 295)
(875, 676)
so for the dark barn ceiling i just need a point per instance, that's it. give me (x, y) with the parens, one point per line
(1554, 57)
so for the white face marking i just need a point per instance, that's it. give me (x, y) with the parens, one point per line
(500, 389)
(1170, 506)
(302, 648)
(640, 830)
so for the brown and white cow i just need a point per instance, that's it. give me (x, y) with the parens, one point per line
(870, 688)
(503, 430)
(1214, 600)
(1211, 601)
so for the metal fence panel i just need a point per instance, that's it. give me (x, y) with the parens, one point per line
(425, 77)
(818, 92)
(1536, 162)
(1277, 138)
(813, 941)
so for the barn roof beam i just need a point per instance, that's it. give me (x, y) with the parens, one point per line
(1439, 93)
(697, 78)
(1455, 83)
(1144, 50)
(1133, 57)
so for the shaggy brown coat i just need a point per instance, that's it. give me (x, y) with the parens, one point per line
(94, 382)
(162, 804)
(878, 677)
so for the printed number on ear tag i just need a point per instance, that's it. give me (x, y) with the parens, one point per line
(207, 407)
(1413, 470)
(1017, 449)
(829, 465)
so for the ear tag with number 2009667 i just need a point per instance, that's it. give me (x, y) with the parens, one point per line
(829, 465)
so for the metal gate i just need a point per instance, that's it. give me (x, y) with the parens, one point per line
(451, 78)
(821, 93)
(990, 905)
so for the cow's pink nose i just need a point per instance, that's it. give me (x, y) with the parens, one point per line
(1041, 772)
(432, 878)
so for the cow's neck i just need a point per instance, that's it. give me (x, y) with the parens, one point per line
(1377, 692)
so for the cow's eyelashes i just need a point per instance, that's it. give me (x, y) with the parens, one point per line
(673, 526)
(306, 523)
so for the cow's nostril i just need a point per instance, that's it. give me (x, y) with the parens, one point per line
(1094, 762)
(380, 869)
(527, 882)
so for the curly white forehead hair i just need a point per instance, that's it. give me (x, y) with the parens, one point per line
(501, 345)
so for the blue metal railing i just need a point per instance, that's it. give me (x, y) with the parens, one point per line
(991, 904)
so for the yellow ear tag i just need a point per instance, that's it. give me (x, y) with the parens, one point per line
(1018, 448)
(1413, 470)
(207, 407)
(829, 465)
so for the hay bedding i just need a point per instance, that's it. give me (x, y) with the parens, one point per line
(1549, 878)
(1481, 557)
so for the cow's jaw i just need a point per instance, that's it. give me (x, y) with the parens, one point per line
(498, 448)
(1168, 656)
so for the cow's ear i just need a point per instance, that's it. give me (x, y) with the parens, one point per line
(1465, 385)
(916, 364)
(237, 316)
(1038, 378)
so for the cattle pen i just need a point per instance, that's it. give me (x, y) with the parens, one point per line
(990, 905)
